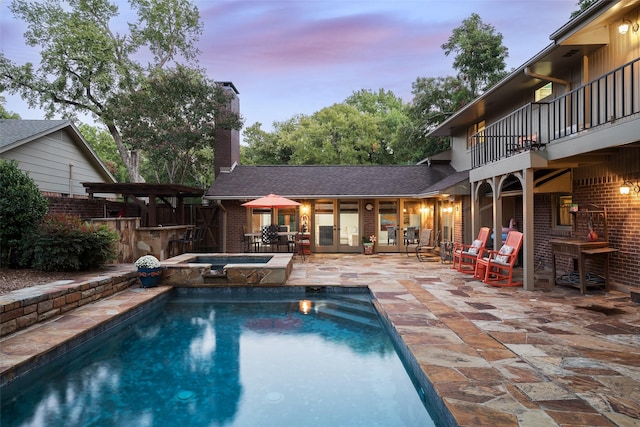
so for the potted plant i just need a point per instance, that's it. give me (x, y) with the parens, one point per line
(149, 270)
(367, 243)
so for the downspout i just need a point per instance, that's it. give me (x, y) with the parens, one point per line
(71, 180)
(224, 225)
(528, 73)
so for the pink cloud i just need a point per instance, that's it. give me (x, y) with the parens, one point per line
(288, 38)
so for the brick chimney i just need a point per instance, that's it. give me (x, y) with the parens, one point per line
(227, 144)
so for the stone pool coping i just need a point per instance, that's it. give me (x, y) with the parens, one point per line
(182, 271)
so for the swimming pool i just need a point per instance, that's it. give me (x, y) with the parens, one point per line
(226, 357)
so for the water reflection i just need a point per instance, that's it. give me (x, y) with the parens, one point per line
(194, 363)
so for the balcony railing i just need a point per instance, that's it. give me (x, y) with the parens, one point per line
(612, 97)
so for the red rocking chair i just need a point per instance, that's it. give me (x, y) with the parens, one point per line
(466, 255)
(497, 268)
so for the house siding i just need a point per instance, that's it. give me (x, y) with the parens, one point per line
(47, 161)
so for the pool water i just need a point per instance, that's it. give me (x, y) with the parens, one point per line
(218, 262)
(201, 360)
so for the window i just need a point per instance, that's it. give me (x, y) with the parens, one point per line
(543, 92)
(562, 217)
(477, 127)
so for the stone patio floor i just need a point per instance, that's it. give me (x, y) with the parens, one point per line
(495, 356)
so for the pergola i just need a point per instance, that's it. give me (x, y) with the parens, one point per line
(148, 190)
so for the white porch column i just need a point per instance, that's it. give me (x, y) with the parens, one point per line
(527, 229)
(475, 210)
(497, 213)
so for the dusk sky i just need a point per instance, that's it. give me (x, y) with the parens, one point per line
(287, 57)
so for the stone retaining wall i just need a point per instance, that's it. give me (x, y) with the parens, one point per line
(25, 307)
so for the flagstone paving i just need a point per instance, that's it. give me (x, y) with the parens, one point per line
(504, 356)
(495, 356)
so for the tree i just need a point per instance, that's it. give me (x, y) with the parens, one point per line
(480, 55)
(582, 6)
(173, 118)
(84, 64)
(4, 114)
(102, 143)
(434, 101)
(267, 148)
(361, 130)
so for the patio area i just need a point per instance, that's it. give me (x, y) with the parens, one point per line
(495, 356)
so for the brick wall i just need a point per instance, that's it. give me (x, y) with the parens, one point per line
(623, 220)
(19, 311)
(623, 224)
(236, 220)
(368, 220)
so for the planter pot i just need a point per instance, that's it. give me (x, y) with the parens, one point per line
(368, 248)
(149, 277)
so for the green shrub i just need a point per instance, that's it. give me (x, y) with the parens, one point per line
(22, 207)
(66, 243)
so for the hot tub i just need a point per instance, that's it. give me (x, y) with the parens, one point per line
(222, 269)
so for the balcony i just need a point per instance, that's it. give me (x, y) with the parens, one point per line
(612, 97)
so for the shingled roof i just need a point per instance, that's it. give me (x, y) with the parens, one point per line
(319, 181)
(17, 132)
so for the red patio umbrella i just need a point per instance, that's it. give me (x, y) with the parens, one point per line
(271, 201)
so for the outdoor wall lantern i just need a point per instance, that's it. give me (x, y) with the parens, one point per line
(627, 186)
(626, 24)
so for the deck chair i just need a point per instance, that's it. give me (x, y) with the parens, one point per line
(427, 252)
(464, 256)
(495, 268)
(425, 238)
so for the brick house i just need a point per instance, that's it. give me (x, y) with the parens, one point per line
(556, 143)
(550, 145)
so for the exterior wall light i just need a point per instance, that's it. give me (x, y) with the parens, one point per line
(627, 186)
(626, 24)
(624, 27)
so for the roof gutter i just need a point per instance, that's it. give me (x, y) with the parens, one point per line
(529, 73)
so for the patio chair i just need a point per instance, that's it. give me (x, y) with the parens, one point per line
(465, 256)
(251, 241)
(428, 252)
(270, 236)
(198, 238)
(496, 269)
(425, 238)
(285, 240)
(410, 236)
(391, 235)
(180, 243)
